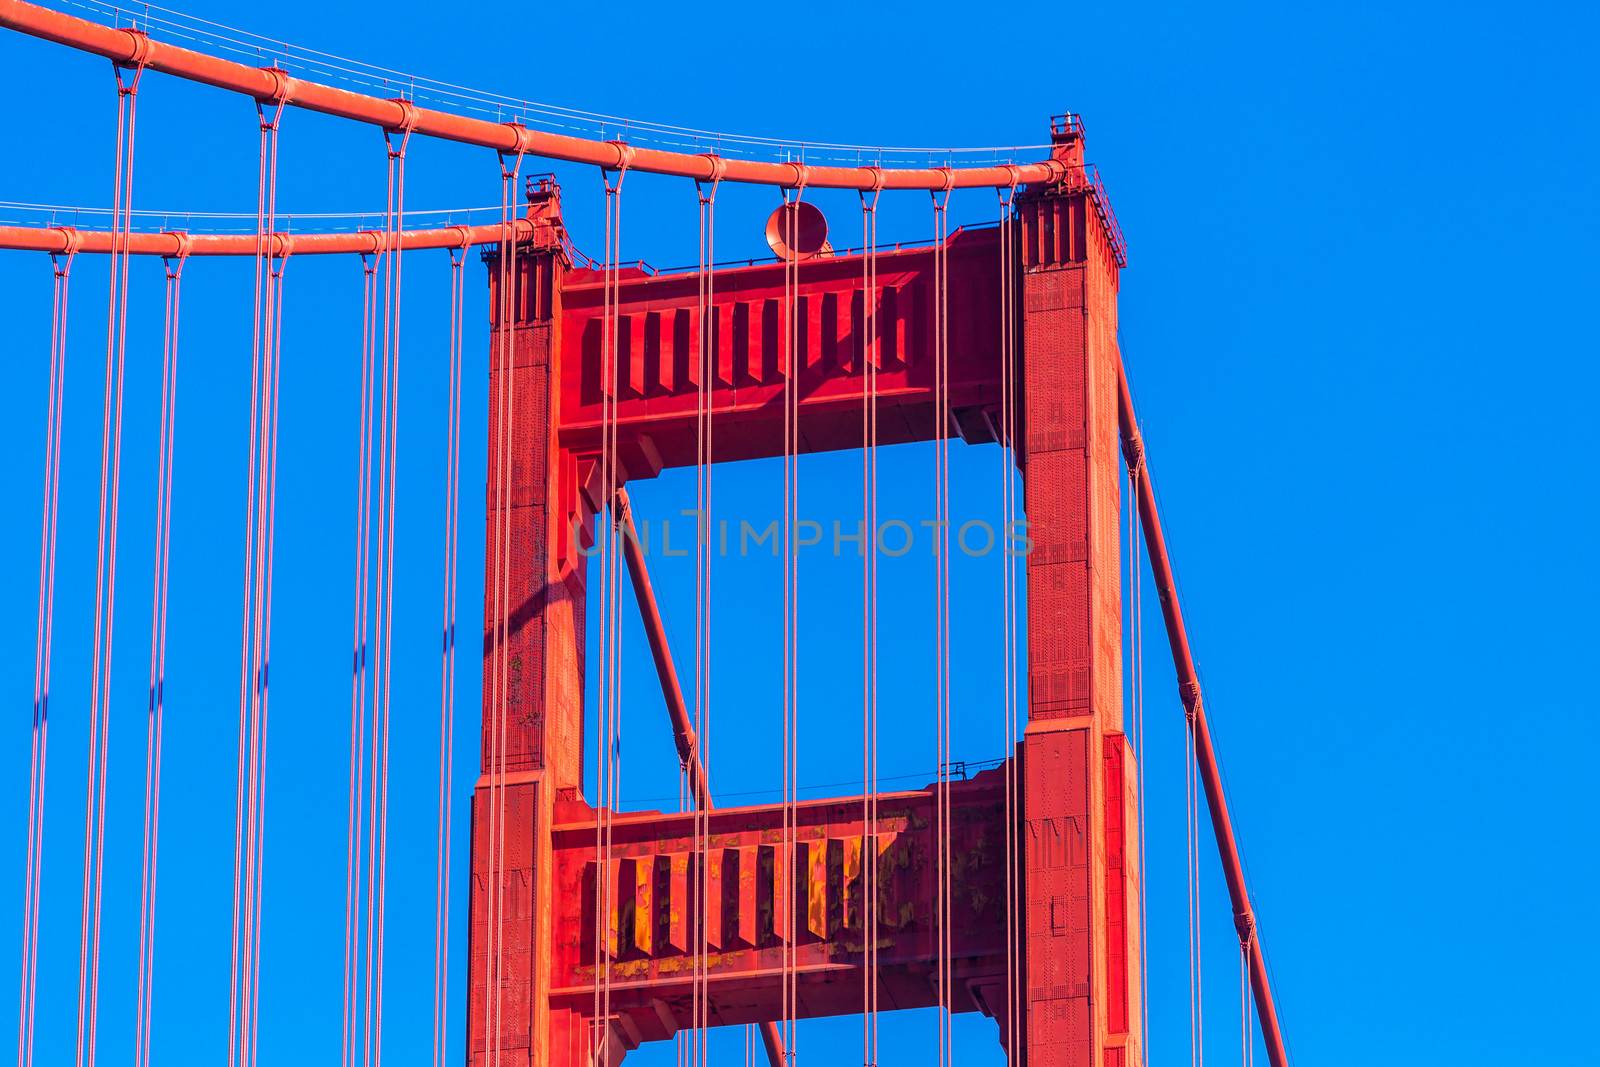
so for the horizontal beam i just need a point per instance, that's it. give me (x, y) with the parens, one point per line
(131, 47)
(658, 343)
(755, 880)
(62, 239)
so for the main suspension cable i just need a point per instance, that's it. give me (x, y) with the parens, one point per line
(219, 37)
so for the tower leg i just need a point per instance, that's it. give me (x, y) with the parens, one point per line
(1080, 886)
(532, 747)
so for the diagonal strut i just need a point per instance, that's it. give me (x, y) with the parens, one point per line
(683, 734)
(1205, 755)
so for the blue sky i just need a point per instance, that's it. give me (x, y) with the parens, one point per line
(1356, 319)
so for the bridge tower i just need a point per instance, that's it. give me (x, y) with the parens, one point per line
(533, 862)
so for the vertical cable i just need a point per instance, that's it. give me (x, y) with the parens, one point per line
(497, 700)
(1135, 546)
(383, 631)
(358, 669)
(275, 348)
(788, 880)
(613, 665)
(1247, 1050)
(255, 636)
(610, 518)
(355, 827)
(682, 1047)
(61, 274)
(1192, 861)
(106, 568)
(870, 358)
(1009, 682)
(275, 278)
(941, 452)
(447, 669)
(158, 655)
(705, 387)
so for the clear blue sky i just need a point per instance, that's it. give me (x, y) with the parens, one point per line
(1358, 318)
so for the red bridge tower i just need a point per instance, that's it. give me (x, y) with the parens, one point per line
(1079, 903)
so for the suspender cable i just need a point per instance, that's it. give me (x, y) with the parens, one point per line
(1135, 650)
(870, 358)
(1009, 687)
(354, 882)
(941, 454)
(255, 638)
(1192, 866)
(693, 789)
(608, 770)
(705, 386)
(243, 862)
(1137, 585)
(602, 520)
(789, 879)
(683, 1041)
(158, 659)
(447, 668)
(1246, 1046)
(383, 631)
(275, 276)
(61, 274)
(105, 594)
(499, 670)
(613, 797)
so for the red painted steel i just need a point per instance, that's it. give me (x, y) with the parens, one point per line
(174, 242)
(1080, 971)
(658, 343)
(273, 85)
(1079, 898)
(1081, 885)
(805, 221)
(540, 756)
(752, 884)
(1205, 755)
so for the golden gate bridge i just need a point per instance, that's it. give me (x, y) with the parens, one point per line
(1016, 892)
